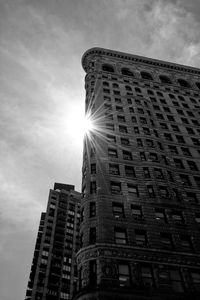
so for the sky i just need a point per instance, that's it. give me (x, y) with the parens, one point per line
(42, 85)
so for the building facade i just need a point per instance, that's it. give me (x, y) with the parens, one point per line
(140, 211)
(53, 273)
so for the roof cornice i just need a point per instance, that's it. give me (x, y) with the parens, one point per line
(138, 59)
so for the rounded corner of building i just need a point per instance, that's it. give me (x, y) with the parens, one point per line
(86, 54)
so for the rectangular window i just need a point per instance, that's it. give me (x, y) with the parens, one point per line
(119, 108)
(160, 215)
(178, 163)
(92, 272)
(186, 242)
(140, 237)
(177, 217)
(139, 143)
(111, 138)
(192, 165)
(114, 169)
(118, 210)
(158, 173)
(93, 187)
(92, 235)
(112, 153)
(197, 217)
(185, 179)
(115, 187)
(123, 129)
(110, 126)
(173, 149)
(136, 211)
(121, 119)
(196, 280)
(92, 209)
(125, 141)
(133, 190)
(146, 275)
(146, 172)
(127, 155)
(180, 139)
(191, 197)
(197, 180)
(124, 274)
(142, 156)
(93, 168)
(186, 151)
(120, 236)
(150, 191)
(166, 240)
(129, 171)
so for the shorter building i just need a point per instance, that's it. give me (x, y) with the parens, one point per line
(53, 272)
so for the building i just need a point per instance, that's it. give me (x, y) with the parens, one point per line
(140, 212)
(53, 272)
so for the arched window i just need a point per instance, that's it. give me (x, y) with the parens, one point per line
(105, 83)
(165, 79)
(183, 83)
(108, 68)
(127, 72)
(128, 88)
(198, 85)
(115, 85)
(146, 75)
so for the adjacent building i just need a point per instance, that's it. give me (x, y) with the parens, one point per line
(53, 272)
(140, 211)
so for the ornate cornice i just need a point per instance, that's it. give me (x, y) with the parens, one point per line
(136, 59)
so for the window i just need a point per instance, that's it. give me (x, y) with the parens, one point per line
(186, 242)
(168, 136)
(107, 98)
(93, 272)
(195, 142)
(111, 138)
(139, 143)
(197, 180)
(190, 130)
(119, 108)
(92, 235)
(115, 85)
(198, 85)
(118, 210)
(146, 130)
(171, 96)
(153, 157)
(143, 120)
(150, 92)
(129, 101)
(124, 274)
(106, 91)
(136, 130)
(191, 197)
(160, 215)
(136, 211)
(121, 119)
(142, 156)
(129, 171)
(118, 100)
(140, 237)
(120, 236)
(170, 118)
(108, 107)
(146, 75)
(178, 163)
(166, 240)
(108, 68)
(125, 141)
(93, 168)
(133, 190)
(163, 191)
(158, 173)
(150, 191)
(133, 119)
(183, 83)
(127, 155)
(127, 72)
(196, 280)
(92, 209)
(93, 187)
(110, 126)
(123, 129)
(160, 116)
(112, 153)
(175, 128)
(184, 120)
(166, 109)
(164, 126)
(192, 165)
(105, 83)
(114, 169)
(165, 79)
(146, 275)
(197, 217)
(146, 172)
(177, 217)
(186, 151)
(180, 139)
(175, 103)
(138, 90)
(140, 111)
(185, 179)
(115, 187)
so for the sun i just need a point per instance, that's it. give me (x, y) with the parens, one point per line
(79, 124)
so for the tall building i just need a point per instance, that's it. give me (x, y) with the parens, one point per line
(53, 272)
(140, 211)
